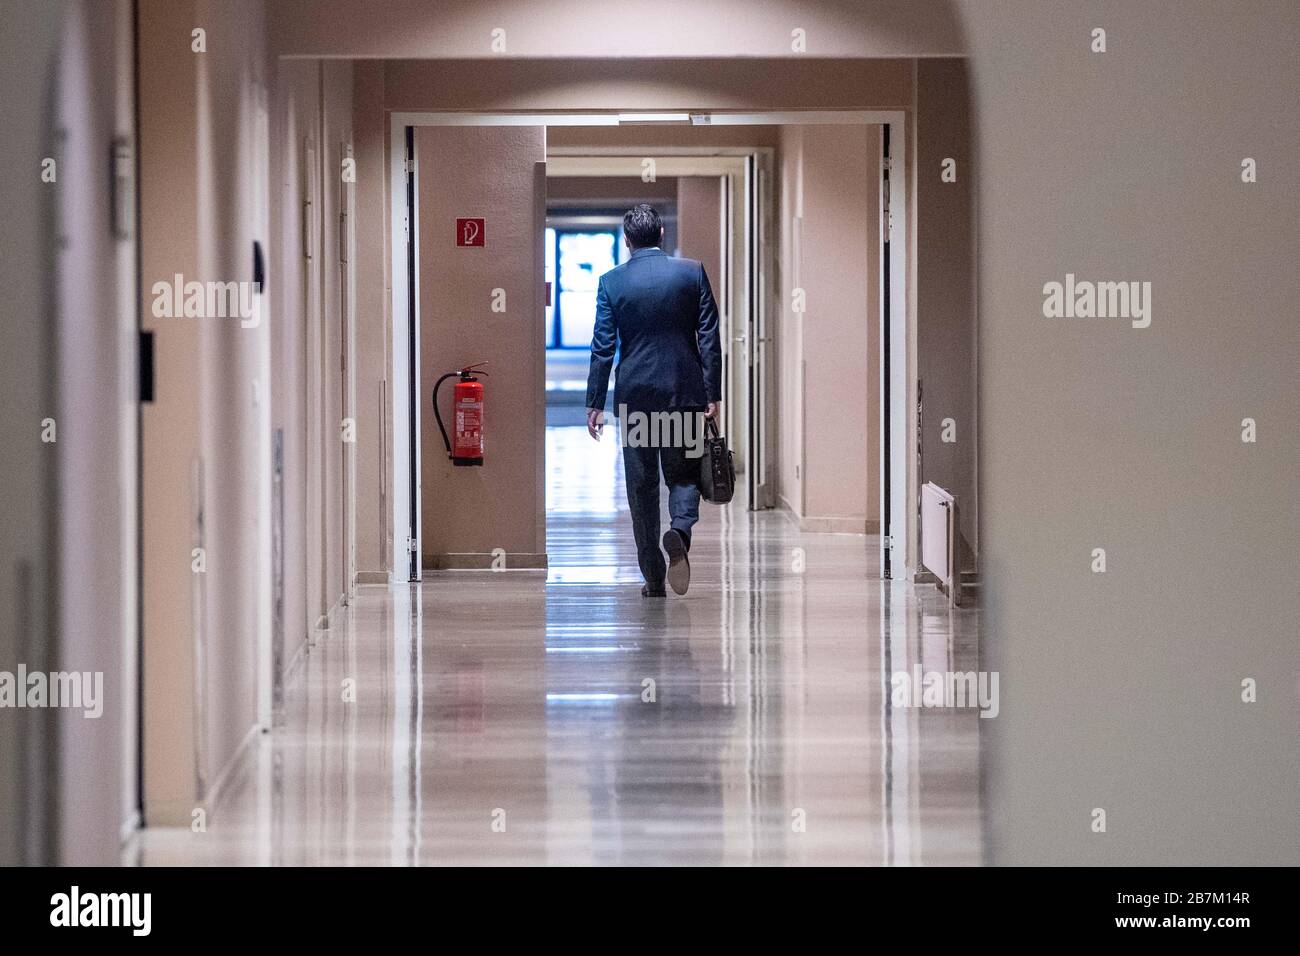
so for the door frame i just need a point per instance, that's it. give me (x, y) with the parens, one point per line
(749, 267)
(403, 403)
(346, 208)
(899, 524)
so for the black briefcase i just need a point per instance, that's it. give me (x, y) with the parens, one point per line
(717, 469)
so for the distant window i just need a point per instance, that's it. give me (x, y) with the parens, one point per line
(575, 261)
(550, 281)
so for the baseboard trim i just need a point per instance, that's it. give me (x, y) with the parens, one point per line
(969, 579)
(233, 766)
(326, 620)
(179, 814)
(170, 814)
(295, 662)
(372, 577)
(483, 561)
(839, 525)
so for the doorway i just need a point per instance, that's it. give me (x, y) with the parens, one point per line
(720, 215)
(750, 299)
(581, 244)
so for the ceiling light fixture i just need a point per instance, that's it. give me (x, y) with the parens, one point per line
(635, 118)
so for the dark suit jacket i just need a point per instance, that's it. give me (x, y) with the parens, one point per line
(659, 313)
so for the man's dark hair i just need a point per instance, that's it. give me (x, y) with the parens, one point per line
(642, 225)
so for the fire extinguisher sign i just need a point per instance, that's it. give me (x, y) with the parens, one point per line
(469, 232)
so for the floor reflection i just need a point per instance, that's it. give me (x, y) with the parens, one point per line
(566, 720)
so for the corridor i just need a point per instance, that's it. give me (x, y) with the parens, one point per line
(560, 718)
(306, 556)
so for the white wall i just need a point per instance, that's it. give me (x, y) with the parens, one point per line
(1123, 690)
(96, 413)
(67, 597)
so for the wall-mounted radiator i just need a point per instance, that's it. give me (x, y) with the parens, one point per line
(939, 538)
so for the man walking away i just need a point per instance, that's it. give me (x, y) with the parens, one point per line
(658, 313)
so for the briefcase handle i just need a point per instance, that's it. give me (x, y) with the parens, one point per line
(711, 426)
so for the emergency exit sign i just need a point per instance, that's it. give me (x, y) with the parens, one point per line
(469, 232)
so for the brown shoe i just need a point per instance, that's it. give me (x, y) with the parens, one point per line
(679, 565)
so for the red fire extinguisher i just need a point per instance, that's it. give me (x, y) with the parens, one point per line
(467, 410)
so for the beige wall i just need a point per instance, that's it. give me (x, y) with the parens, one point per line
(720, 84)
(211, 124)
(204, 148)
(945, 289)
(467, 512)
(618, 193)
(788, 331)
(295, 286)
(312, 107)
(232, 158)
(561, 190)
(171, 425)
(699, 222)
(828, 356)
(633, 28)
(335, 135)
(373, 373)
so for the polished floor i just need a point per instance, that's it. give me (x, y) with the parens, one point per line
(560, 718)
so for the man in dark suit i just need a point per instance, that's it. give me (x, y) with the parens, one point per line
(658, 313)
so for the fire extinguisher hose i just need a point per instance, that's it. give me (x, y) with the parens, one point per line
(437, 414)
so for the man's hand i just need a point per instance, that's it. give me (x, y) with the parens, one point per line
(595, 422)
(714, 411)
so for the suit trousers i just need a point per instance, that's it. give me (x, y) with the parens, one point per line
(641, 467)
